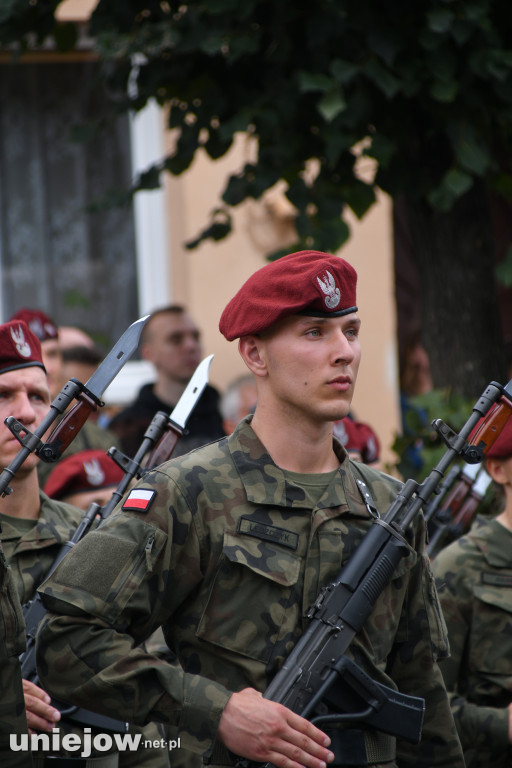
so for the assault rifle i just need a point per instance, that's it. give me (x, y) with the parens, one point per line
(455, 519)
(159, 441)
(317, 679)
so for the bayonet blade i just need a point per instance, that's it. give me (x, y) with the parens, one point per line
(192, 393)
(108, 369)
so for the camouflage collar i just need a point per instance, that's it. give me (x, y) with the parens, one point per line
(493, 540)
(56, 523)
(265, 483)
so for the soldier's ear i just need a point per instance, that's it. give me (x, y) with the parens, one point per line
(496, 470)
(251, 349)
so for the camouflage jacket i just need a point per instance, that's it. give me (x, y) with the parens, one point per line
(228, 555)
(474, 578)
(12, 643)
(30, 557)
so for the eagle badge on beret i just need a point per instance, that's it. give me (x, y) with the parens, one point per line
(22, 345)
(332, 294)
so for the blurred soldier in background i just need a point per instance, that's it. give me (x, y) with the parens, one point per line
(474, 580)
(171, 342)
(91, 435)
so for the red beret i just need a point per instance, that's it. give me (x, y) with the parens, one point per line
(306, 282)
(83, 471)
(39, 323)
(502, 447)
(19, 347)
(357, 436)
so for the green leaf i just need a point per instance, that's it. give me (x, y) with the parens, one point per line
(440, 20)
(458, 182)
(312, 81)
(382, 78)
(332, 104)
(455, 183)
(360, 197)
(218, 229)
(473, 157)
(445, 91)
(216, 146)
(343, 71)
(149, 179)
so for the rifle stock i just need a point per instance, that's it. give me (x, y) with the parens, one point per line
(461, 522)
(455, 499)
(305, 681)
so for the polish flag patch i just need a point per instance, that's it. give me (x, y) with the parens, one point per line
(139, 499)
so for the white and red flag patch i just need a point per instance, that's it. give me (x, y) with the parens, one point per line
(139, 499)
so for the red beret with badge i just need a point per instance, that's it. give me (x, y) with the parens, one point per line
(39, 323)
(357, 437)
(307, 282)
(83, 471)
(19, 347)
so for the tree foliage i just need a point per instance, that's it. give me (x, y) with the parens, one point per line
(428, 81)
(423, 89)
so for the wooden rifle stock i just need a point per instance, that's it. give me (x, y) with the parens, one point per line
(68, 428)
(463, 519)
(164, 448)
(490, 428)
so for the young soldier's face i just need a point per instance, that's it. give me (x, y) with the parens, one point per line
(24, 394)
(312, 364)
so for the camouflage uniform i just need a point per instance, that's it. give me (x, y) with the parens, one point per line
(30, 558)
(474, 577)
(12, 643)
(228, 558)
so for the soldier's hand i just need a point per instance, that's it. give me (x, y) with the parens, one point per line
(41, 716)
(264, 731)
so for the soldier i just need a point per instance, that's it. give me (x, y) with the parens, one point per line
(474, 577)
(13, 721)
(171, 342)
(34, 527)
(91, 435)
(228, 546)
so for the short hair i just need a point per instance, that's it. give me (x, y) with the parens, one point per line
(81, 354)
(170, 309)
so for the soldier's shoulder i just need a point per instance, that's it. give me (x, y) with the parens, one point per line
(206, 456)
(59, 511)
(460, 556)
